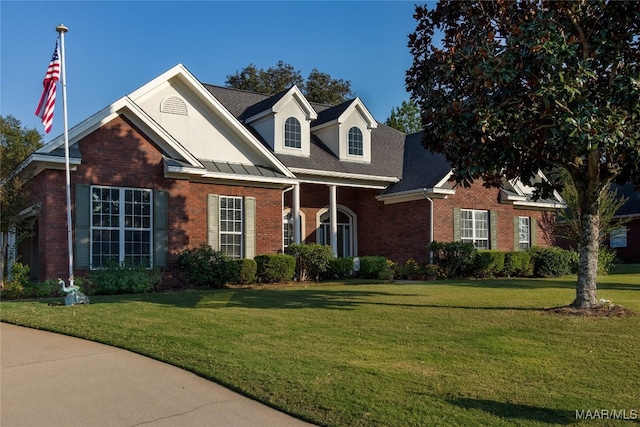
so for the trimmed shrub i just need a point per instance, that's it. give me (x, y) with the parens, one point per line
(48, 289)
(455, 258)
(126, 278)
(433, 270)
(246, 270)
(339, 268)
(489, 263)
(517, 263)
(15, 288)
(311, 260)
(275, 268)
(374, 267)
(204, 267)
(552, 261)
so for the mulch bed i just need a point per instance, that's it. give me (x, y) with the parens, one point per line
(603, 310)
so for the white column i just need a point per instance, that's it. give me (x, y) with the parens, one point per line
(295, 214)
(11, 252)
(333, 217)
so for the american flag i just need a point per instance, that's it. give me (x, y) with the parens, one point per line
(48, 98)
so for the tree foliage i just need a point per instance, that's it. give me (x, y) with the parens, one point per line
(405, 118)
(514, 87)
(318, 87)
(16, 144)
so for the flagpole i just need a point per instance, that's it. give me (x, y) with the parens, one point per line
(61, 29)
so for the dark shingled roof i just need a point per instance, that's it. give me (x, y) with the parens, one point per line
(422, 168)
(387, 143)
(632, 194)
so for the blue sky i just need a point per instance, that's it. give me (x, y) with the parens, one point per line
(114, 47)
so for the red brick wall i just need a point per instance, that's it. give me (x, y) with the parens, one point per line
(401, 231)
(631, 254)
(118, 154)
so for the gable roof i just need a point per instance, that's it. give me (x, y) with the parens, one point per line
(171, 148)
(387, 144)
(426, 174)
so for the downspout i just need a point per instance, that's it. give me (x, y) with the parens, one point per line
(424, 194)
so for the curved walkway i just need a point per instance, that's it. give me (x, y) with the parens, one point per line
(48, 379)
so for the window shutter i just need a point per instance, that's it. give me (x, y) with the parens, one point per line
(516, 233)
(82, 227)
(456, 225)
(213, 226)
(533, 231)
(493, 229)
(160, 204)
(249, 227)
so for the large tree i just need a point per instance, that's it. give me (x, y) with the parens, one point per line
(16, 143)
(514, 87)
(405, 118)
(318, 87)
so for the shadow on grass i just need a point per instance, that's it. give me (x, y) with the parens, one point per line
(515, 411)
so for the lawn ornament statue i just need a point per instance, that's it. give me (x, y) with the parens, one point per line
(74, 296)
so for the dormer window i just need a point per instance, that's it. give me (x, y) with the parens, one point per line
(292, 133)
(355, 142)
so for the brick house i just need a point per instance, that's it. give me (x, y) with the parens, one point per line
(625, 240)
(178, 163)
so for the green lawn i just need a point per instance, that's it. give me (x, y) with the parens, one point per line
(457, 352)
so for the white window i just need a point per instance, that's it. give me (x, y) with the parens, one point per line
(345, 237)
(287, 230)
(355, 142)
(231, 226)
(292, 133)
(121, 226)
(524, 233)
(618, 238)
(474, 227)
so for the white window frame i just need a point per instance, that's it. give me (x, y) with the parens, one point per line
(524, 233)
(356, 141)
(292, 133)
(122, 227)
(470, 230)
(237, 229)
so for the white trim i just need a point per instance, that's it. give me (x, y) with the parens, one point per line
(416, 194)
(328, 173)
(184, 172)
(353, 226)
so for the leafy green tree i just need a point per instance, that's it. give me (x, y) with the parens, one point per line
(16, 144)
(514, 87)
(319, 87)
(405, 118)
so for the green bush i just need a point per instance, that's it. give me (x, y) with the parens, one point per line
(374, 267)
(552, 261)
(48, 289)
(126, 278)
(246, 270)
(339, 268)
(275, 268)
(455, 258)
(606, 259)
(411, 269)
(517, 263)
(204, 267)
(311, 260)
(489, 263)
(15, 288)
(433, 270)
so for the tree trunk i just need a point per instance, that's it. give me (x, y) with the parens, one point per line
(3, 255)
(588, 262)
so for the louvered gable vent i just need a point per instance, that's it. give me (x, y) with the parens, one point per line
(174, 105)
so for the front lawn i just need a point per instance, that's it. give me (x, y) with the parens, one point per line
(456, 352)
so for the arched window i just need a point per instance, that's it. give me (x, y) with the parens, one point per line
(355, 142)
(345, 232)
(292, 133)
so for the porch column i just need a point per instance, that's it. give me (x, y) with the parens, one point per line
(11, 252)
(296, 214)
(333, 218)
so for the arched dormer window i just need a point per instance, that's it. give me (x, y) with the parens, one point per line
(355, 142)
(292, 133)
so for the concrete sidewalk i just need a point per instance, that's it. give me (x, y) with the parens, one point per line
(48, 379)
